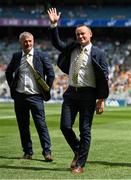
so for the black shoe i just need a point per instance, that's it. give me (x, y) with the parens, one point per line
(48, 158)
(27, 156)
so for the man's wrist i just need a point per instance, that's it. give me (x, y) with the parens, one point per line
(53, 25)
(101, 100)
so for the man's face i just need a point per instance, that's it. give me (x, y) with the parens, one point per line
(27, 43)
(83, 35)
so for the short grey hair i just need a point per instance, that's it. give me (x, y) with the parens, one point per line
(25, 34)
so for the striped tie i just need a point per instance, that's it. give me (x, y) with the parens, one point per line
(77, 65)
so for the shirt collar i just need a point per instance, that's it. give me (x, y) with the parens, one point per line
(30, 53)
(88, 47)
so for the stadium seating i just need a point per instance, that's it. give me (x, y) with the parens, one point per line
(118, 51)
(87, 12)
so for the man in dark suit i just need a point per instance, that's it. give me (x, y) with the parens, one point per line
(27, 93)
(88, 87)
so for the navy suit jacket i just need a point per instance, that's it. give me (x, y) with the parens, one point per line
(98, 61)
(41, 65)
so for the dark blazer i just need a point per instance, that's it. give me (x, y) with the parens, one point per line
(41, 65)
(98, 61)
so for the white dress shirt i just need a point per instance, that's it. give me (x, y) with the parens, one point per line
(27, 83)
(86, 75)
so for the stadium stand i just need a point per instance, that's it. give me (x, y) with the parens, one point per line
(116, 42)
(91, 12)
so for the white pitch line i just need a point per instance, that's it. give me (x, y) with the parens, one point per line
(50, 113)
(114, 109)
(7, 117)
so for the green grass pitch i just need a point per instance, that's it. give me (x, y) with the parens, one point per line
(109, 157)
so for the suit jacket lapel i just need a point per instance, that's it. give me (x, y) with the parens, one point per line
(93, 52)
(18, 60)
(35, 59)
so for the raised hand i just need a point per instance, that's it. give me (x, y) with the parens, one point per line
(54, 16)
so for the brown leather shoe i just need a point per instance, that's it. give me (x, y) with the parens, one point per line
(77, 170)
(73, 163)
(48, 158)
(27, 156)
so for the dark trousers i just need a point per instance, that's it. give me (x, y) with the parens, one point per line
(23, 104)
(84, 103)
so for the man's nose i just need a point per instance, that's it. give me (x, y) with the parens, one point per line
(28, 43)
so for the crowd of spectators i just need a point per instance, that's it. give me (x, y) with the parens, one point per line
(77, 11)
(118, 56)
(22, 11)
(118, 51)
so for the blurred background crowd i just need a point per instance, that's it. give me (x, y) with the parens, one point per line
(110, 23)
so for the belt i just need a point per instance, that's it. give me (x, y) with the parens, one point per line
(82, 89)
(26, 95)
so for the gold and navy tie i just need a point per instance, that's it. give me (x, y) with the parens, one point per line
(77, 65)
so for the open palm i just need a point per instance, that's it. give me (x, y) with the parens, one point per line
(53, 15)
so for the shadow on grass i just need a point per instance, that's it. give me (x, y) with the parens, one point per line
(60, 169)
(20, 158)
(33, 168)
(110, 163)
(6, 157)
